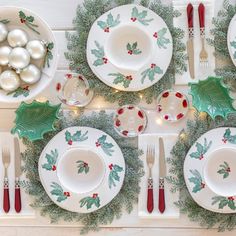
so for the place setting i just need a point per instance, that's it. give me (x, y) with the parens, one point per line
(80, 164)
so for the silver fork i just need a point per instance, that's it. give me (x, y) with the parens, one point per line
(203, 53)
(150, 159)
(6, 163)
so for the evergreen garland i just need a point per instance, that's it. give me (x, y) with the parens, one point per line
(126, 198)
(76, 55)
(187, 205)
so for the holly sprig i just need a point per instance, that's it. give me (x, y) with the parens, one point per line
(76, 137)
(132, 49)
(99, 54)
(109, 23)
(24, 91)
(90, 201)
(51, 160)
(151, 72)
(49, 56)
(123, 79)
(82, 167)
(224, 170)
(106, 146)
(161, 40)
(58, 192)
(201, 149)
(114, 174)
(140, 16)
(228, 137)
(28, 21)
(224, 201)
(197, 181)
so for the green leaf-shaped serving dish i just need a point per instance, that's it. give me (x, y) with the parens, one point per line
(212, 97)
(35, 119)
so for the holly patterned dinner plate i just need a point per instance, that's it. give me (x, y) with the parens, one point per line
(130, 121)
(210, 170)
(82, 169)
(231, 39)
(129, 48)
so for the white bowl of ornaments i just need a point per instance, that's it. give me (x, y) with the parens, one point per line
(28, 54)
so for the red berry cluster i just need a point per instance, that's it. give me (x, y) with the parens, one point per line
(130, 52)
(106, 30)
(133, 19)
(54, 168)
(95, 195)
(201, 157)
(129, 77)
(228, 169)
(67, 194)
(153, 65)
(202, 185)
(224, 140)
(97, 144)
(105, 60)
(155, 35)
(22, 21)
(231, 198)
(85, 164)
(26, 88)
(110, 166)
(70, 142)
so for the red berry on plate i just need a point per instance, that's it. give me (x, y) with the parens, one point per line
(185, 103)
(140, 128)
(179, 95)
(105, 60)
(228, 169)
(155, 35)
(110, 166)
(120, 111)
(153, 65)
(85, 164)
(22, 21)
(129, 77)
(165, 94)
(58, 86)
(133, 19)
(166, 117)
(125, 132)
(97, 144)
(130, 52)
(140, 114)
(179, 116)
(201, 157)
(95, 195)
(70, 142)
(202, 185)
(117, 123)
(54, 168)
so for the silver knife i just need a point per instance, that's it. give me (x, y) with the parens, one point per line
(17, 175)
(162, 175)
(190, 42)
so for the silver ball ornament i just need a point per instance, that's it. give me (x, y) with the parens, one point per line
(3, 32)
(31, 74)
(17, 38)
(36, 49)
(19, 58)
(9, 80)
(4, 55)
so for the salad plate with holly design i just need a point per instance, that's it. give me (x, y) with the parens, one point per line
(210, 170)
(82, 169)
(231, 39)
(36, 29)
(129, 47)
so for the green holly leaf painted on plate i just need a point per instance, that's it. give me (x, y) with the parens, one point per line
(228, 137)
(223, 202)
(161, 40)
(224, 170)
(107, 147)
(196, 179)
(140, 16)
(151, 73)
(90, 201)
(114, 175)
(35, 119)
(120, 78)
(82, 167)
(57, 191)
(212, 97)
(51, 160)
(21, 91)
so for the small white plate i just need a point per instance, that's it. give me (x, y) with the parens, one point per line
(82, 169)
(210, 170)
(172, 105)
(130, 121)
(129, 47)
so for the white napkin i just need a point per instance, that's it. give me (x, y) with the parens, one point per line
(6, 139)
(182, 22)
(171, 211)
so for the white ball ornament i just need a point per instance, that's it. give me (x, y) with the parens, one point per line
(31, 74)
(9, 80)
(3, 32)
(17, 38)
(36, 49)
(4, 55)
(19, 58)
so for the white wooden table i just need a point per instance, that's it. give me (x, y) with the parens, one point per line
(59, 15)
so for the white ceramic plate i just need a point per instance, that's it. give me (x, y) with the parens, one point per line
(36, 29)
(129, 48)
(130, 121)
(231, 39)
(210, 170)
(82, 169)
(172, 105)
